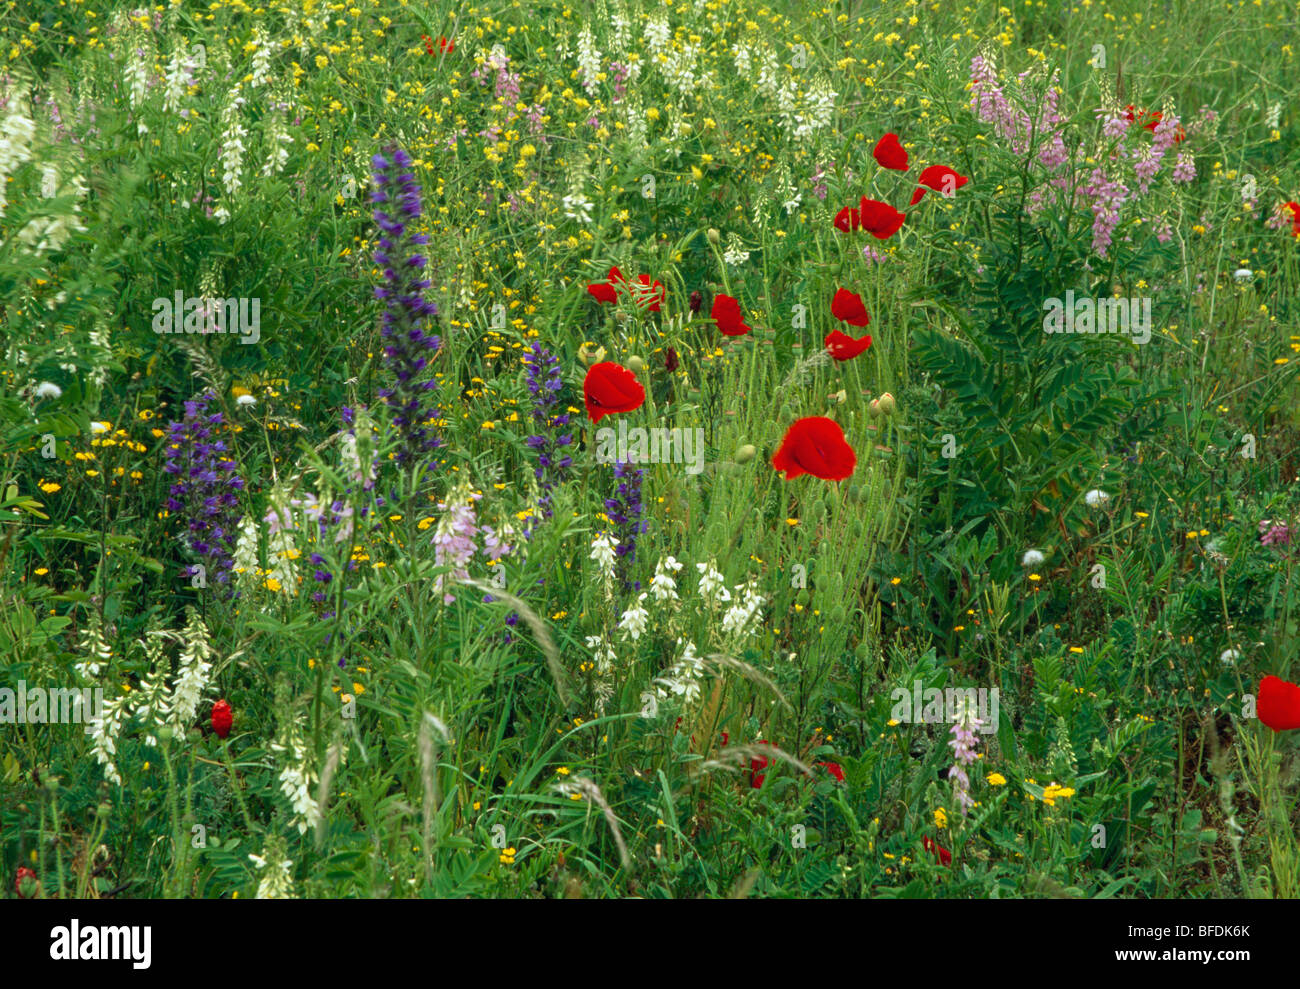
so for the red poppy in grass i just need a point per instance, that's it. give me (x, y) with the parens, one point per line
(944, 856)
(607, 291)
(446, 46)
(843, 347)
(759, 762)
(726, 313)
(1151, 121)
(1295, 217)
(834, 769)
(652, 293)
(1278, 703)
(890, 153)
(879, 219)
(815, 445)
(848, 306)
(848, 220)
(940, 178)
(610, 388)
(222, 718)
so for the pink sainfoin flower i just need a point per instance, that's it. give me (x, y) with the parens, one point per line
(819, 182)
(963, 754)
(1274, 533)
(1107, 197)
(453, 539)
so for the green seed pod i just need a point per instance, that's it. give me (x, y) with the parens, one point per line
(635, 364)
(745, 454)
(803, 597)
(817, 511)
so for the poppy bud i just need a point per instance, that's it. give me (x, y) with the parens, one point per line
(887, 405)
(838, 397)
(874, 408)
(221, 718)
(589, 356)
(697, 300)
(25, 884)
(745, 454)
(635, 364)
(713, 235)
(803, 597)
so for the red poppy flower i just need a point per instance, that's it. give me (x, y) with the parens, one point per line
(1295, 217)
(610, 388)
(607, 291)
(843, 347)
(446, 46)
(848, 306)
(759, 762)
(1278, 703)
(879, 219)
(939, 178)
(815, 445)
(648, 293)
(890, 153)
(848, 220)
(944, 856)
(1151, 121)
(834, 769)
(221, 718)
(726, 313)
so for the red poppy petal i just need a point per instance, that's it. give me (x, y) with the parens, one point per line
(603, 292)
(847, 220)
(815, 445)
(890, 153)
(1278, 703)
(945, 856)
(943, 179)
(917, 196)
(610, 388)
(726, 313)
(881, 220)
(848, 306)
(843, 347)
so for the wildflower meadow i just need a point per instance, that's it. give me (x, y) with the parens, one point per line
(649, 449)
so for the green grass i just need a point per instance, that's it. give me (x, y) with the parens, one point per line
(529, 737)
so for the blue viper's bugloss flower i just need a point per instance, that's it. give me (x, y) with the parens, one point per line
(626, 511)
(550, 439)
(408, 345)
(205, 493)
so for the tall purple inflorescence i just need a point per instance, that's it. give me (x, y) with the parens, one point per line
(549, 441)
(408, 347)
(204, 494)
(625, 512)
